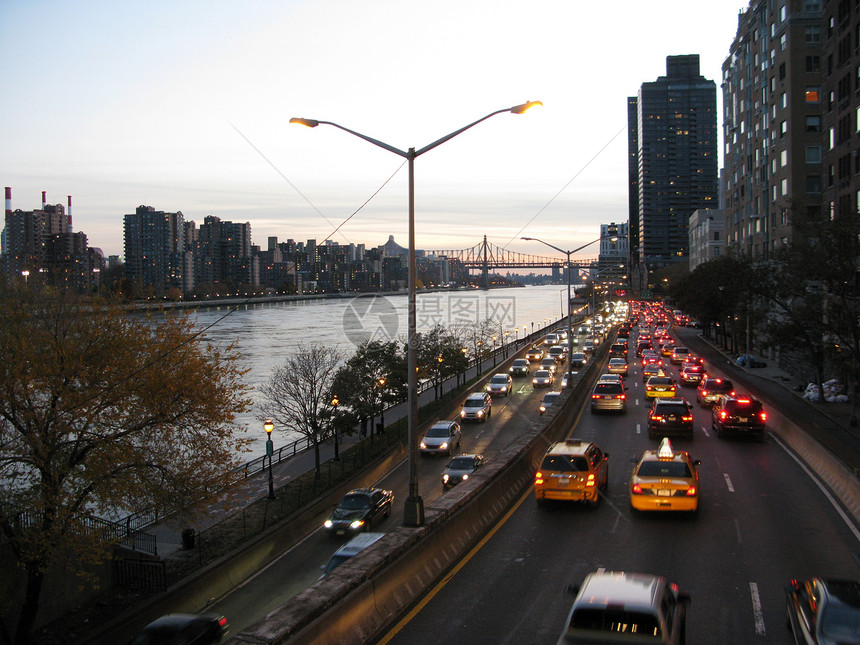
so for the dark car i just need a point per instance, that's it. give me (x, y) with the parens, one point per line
(739, 415)
(358, 510)
(549, 399)
(184, 629)
(670, 417)
(711, 389)
(460, 468)
(692, 375)
(823, 611)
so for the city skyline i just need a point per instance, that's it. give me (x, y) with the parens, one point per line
(185, 107)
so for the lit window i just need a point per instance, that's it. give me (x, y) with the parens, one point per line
(812, 95)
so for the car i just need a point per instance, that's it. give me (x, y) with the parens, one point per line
(578, 359)
(478, 406)
(550, 340)
(823, 610)
(460, 468)
(643, 346)
(691, 375)
(667, 346)
(559, 353)
(441, 437)
(543, 378)
(617, 366)
(567, 379)
(186, 629)
(608, 397)
(358, 510)
(548, 363)
(500, 383)
(738, 414)
(678, 355)
(352, 548)
(572, 470)
(652, 369)
(588, 346)
(548, 400)
(660, 386)
(520, 367)
(534, 354)
(618, 350)
(665, 479)
(624, 607)
(670, 416)
(712, 388)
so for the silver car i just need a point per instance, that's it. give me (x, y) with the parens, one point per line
(443, 437)
(542, 378)
(500, 384)
(478, 406)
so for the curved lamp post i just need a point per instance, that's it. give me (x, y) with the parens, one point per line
(413, 512)
(612, 234)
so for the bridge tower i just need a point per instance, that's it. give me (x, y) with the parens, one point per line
(485, 265)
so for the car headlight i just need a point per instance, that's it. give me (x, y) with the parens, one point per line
(443, 446)
(543, 408)
(328, 524)
(422, 445)
(446, 477)
(462, 413)
(465, 477)
(356, 524)
(480, 413)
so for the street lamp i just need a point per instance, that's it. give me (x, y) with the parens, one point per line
(413, 514)
(612, 233)
(334, 403)
(382, 403)
(268, 426)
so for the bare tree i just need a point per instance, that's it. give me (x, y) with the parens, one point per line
(298, 394)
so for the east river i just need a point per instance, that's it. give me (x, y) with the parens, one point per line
(265, 334)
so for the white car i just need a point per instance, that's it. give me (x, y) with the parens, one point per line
(443, 437)
(500, 384)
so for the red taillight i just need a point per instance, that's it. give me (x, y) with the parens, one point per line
(590, 482)
(688, 417)
(691, 491)
(656, 417)
(763, 416)
(723, 415)
(222, 622)
(636, 490)
(595, 396)
(621, 396)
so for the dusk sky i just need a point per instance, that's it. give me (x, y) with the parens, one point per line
(185, 106)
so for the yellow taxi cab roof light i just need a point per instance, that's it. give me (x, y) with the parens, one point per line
(665, 450)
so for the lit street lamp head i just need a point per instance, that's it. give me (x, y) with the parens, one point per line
(519, 109)
(311, 123)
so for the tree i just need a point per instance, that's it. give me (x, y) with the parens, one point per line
(101, 412)
(298, 394)
(374, 377)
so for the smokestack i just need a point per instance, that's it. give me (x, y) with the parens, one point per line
(44, 199)
(8, 200)
(69, 213)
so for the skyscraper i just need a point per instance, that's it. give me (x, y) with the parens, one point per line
(154, 248)
(676, 161)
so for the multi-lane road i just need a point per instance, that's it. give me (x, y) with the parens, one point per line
(763, 520)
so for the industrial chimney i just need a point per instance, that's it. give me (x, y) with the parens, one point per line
(69, 213)
(44, 199)
(8, 200)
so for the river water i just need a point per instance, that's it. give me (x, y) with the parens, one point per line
(265, 334)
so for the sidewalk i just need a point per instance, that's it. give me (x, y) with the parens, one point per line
(828, 423)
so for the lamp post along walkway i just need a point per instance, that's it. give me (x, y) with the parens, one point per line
(413, 514)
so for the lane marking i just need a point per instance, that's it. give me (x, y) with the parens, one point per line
(757, 613)
(729, 482)
(638, 428)
(453, 572)
(848, 522)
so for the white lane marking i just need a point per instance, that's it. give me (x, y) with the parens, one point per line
(705, 430)
(850, 524)
(757, 613)
(729, 482)
(638, 428)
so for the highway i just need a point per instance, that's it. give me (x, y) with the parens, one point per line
(763, 520)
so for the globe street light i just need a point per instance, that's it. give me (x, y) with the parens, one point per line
(413, 513)
(612, 233)
(268, 426)
(334, 403)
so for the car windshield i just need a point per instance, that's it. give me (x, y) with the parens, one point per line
(499, 380)
(615, 620)
(664, 469)
(470, 403)
(565, 463)
(607, 388)
(354, 502)
(520, 362)
(542, 373)
(441, 431)
(461, 463)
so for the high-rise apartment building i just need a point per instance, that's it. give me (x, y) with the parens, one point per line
(26, 235)
(773, 105)
(155, 248)
(222, 253)
(676, 162)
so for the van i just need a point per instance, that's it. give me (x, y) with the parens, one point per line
(355, 546)
(572, 470)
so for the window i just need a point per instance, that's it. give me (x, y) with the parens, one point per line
(813, 63)
(813, 184)
(783, 158)
(782, 71)
(813, 94)
(784, 187)
(813, 154)
(812, 35)
(783, 101)
(783, 128)
(783, 40)
(783, 13)
(813, 123)
(811, 6)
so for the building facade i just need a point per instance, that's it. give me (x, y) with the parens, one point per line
(707, 236)
(676, 162)
(155, 253)
(774, 136)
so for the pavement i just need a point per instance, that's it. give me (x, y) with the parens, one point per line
(829, 423)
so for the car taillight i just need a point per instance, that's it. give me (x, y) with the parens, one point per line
(656, 417)
(687, 417)
(590, 482)
(762, 416)
(595, 396)
(538, 478)
(637, 489)
(691, 491)
(222, 622)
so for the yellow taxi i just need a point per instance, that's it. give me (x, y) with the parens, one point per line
(665, 480)
(660, 386)
(572, 470)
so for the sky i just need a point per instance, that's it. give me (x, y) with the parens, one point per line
(184, 105)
